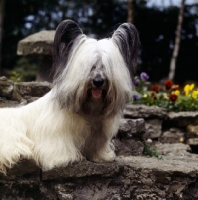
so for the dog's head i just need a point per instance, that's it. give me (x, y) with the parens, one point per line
(89, 70)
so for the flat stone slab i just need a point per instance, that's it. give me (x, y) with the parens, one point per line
(12, 93)
(184, 118)
(39, 43)
(82, 169)
(175, 149)
(35, 89)
(143, 111)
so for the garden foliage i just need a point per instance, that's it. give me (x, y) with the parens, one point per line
(170, 96)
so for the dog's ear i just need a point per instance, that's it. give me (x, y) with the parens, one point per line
(66, 33)
(126, 38)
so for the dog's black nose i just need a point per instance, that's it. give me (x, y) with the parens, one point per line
(98, 82)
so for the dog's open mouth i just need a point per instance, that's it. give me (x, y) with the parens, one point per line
(96, 93)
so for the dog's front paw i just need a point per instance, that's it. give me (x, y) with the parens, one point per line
(104, 157)
(78, 161)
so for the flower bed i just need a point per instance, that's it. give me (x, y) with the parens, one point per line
(170, 96)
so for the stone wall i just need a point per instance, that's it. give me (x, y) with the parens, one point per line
(130, 176)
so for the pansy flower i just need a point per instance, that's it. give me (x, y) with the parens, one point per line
(136, 97)
(136, 81)
(168, 84)
(173, 97)
(195, 94)
(155, 88)
(144, 76)
(153, 96)
(188, 88)
(177, 92)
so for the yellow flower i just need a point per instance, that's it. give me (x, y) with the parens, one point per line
(177, 92)
(195, 94)
(188, 88)
(192, 87)
(165, 96)
(145, 95)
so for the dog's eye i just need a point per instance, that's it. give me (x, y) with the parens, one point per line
(94, 67)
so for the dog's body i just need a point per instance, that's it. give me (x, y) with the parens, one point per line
(81, 114)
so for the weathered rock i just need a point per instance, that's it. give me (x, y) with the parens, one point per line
(41, 45)
(142, 111)
(128, 147)
(33, 89)
(192, 131)
(192, 141)
(8, 103)
(177, 149)
(136, 127)
(127, 178)
(6, 87)
(153, 128)
(184, 118)
(23, 167)
(174, 135)
(38, 43)
(82, 169)
(13, 94)
(128, 141)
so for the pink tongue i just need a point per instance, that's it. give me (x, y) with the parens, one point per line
(96, 93)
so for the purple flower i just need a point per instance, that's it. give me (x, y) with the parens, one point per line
(144, 76)
(136, 82)
(136, 97)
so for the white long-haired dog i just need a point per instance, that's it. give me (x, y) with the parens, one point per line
(80, 115)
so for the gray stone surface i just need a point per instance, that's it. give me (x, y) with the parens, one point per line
(82, 169)
(177, 149)
(173, 135)
(128, 177)
(192, 131)
(153, 128)
(136, 127)
(34, 89)
(128, 147)
(143, 111)
(21, 168)
(6, 87)
(8, 103)
(38, 43)
(184, 118)
(12, 94)
(193, 141)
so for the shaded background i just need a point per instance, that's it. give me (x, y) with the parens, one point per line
(156, 21)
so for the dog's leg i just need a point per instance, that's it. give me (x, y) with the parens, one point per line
(104, 154)
(13, 147)
(99, 147)
(100, 151)
(58, 153)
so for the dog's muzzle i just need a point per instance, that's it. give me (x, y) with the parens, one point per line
(98, 82)
(97, 90)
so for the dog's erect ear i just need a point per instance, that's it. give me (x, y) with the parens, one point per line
(126, 38)
(66, 33)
